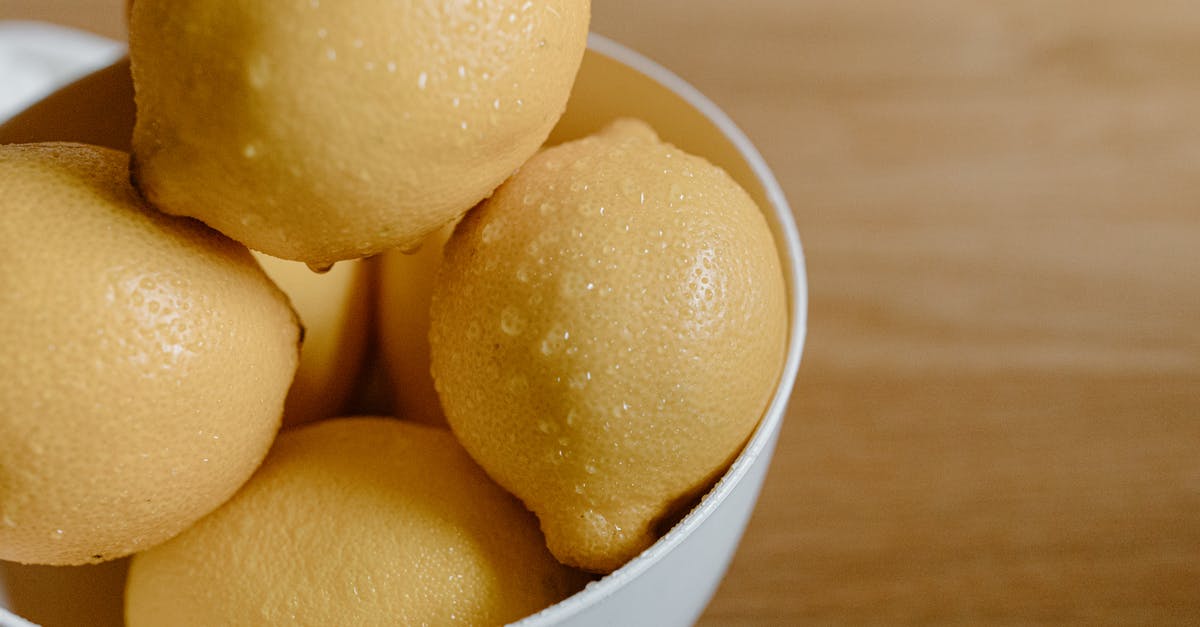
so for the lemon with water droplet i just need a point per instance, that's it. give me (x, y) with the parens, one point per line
(644, 375)
(355, 521)
(326, 120)
(145, 359)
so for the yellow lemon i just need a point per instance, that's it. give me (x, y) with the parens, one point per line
(321, 131)
(355, 521)
(606, 331)
(145, 361)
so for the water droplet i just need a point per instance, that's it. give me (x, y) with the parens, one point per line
(391, 66)
(511, 321)
(490, 232)
(462, 71)
(357, 43)
(544, 426)
(546, 208)
(331, 54)
(522, 274)
(675, 193)
(496, 104)
(572, 415)
(590, 469)
(258, 72)
(320, 267)
(249, 151)
(579, 380)
(518, 384)
(554, 341)
(596, 520)
(422, 78)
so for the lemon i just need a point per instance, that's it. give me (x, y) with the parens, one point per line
(145, 361)
(405, 291)
(335, 311)
(355, 521)
(606, 331)
(321, 131)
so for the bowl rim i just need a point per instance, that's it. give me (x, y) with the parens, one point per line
(772, 420)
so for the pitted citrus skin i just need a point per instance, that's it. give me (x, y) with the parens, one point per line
(145, 357)
(355, 521)
(335, 130)
(606, 332)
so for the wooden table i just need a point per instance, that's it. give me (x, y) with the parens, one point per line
(998, 415)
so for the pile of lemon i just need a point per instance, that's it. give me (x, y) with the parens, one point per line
(599, 324)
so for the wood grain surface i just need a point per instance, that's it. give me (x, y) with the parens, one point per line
(997, 420)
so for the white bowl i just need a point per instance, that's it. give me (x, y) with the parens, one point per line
(672, 581)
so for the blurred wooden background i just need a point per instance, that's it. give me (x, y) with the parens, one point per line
(997, 419)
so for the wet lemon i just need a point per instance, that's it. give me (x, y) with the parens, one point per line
(355, 521)
(322, 131)
(145, 359)
(606, 332)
